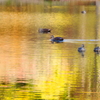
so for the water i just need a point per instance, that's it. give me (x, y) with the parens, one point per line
(32, 68)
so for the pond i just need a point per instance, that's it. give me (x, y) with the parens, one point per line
(34, 68)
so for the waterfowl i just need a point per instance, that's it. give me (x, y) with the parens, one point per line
(83, 12)
(45, 30)
(97, 49)
(56, 39)
(81, 49)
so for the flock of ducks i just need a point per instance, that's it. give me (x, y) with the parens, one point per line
(60, 39)
(53, 39)
(82, 49)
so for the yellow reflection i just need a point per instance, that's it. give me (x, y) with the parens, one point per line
(53, 82)
(54, 85)
(21, 21)
(54, 19)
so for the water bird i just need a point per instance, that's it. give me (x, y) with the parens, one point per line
(83, 12)
(56, 39)
(81, 49)
(45, 30)
(97, 49)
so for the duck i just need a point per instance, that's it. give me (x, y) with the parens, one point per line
(56, 39)
(97, 49)
(83, 11)
(81, 49)
(45, 30)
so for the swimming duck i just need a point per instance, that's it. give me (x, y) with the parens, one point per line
(83, 12)
(45, 30)
(81, 49)
(56, 39)
(97, 49)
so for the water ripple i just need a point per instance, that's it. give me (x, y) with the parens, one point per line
(82, 40)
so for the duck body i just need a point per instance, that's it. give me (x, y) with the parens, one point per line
(97, 49)
(81, 49)
(45, 30)
(84, 12)
(56, 39)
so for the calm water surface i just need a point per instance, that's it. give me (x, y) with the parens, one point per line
(32, 68)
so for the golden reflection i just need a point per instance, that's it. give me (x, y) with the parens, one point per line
(55, 70)
(16, 65)
(23, 20)
(14, 20)
(54, 19)
(53, 85)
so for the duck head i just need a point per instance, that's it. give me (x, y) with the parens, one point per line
(82, 45)
(52, 37)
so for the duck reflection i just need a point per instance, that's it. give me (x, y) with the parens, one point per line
(82, 54)
(21, 83)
